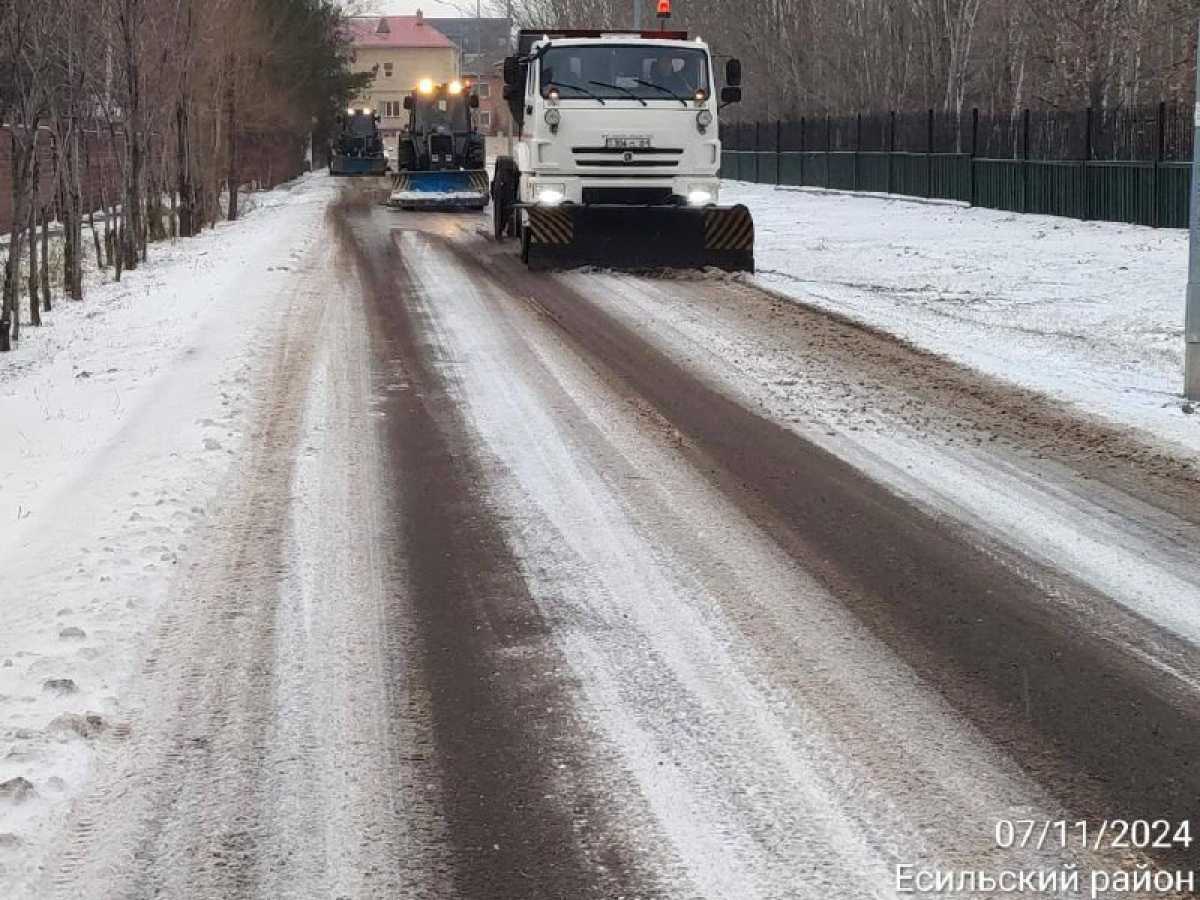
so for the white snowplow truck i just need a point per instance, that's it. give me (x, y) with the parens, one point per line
(617, 153)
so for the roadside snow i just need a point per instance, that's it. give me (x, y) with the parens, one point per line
(1090, 313)
(124, 413)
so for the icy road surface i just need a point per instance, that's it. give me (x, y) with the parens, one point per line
(503, 586)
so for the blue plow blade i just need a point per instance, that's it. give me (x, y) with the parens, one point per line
(440, 189)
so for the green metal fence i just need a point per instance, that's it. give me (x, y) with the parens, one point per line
(1102, 180)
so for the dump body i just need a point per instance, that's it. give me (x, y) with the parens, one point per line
(618, 153)
(440, 155)
(357, 149)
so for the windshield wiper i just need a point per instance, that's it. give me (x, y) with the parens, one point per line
(617, 87)
(580, 88)
(665, 90)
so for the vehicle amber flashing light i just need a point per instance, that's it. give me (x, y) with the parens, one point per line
(456, 87)
(425, 86)
(664, 9)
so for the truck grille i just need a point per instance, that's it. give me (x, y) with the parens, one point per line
(630, 196)
(627, 157)
(629, 163)
(636, 151)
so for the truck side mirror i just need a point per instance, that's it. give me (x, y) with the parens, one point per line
(512, 70)
(733, 73)
(509, 92)
(731, 95)
(408, 102)
(474, 101)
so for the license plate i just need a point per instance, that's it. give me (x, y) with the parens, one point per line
(627, 141)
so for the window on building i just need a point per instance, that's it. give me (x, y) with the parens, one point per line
(485, 120)
(483, 89)
(387, 69)
(392, 109)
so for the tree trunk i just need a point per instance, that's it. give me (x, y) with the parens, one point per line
(185, 186)
(46, 259)
(34, 289)
(101, 259)
(12, 270)
(231, 180)
(133, 221)
(188, 224)
(73, 214)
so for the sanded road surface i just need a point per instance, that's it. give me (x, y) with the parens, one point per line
(592, 586)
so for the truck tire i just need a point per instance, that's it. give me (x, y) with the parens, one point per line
(504, 195)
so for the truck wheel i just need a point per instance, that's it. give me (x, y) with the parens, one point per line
(499, 216)
(504, 195)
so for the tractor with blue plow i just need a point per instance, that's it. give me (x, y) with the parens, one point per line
(357, 148)
(440, 158)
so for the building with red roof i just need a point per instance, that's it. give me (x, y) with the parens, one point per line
(399, 51)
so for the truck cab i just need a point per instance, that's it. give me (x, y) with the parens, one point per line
(620, 117)
(617, 153)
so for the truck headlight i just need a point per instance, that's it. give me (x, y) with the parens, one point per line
(704, 119)
(549, 194)
(699, 197)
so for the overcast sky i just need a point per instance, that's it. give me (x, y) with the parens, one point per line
(429, 7)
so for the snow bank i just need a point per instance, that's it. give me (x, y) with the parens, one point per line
(1090, 313)
(125, 412)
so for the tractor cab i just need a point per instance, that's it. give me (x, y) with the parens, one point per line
(440, 134)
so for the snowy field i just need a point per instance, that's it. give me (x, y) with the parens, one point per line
(1087, 312)
(124, 414)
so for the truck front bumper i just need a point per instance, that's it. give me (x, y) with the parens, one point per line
(681, 190)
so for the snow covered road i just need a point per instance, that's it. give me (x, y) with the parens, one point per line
(593, 586)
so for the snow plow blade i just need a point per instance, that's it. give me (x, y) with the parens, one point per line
(639, 237)
(453, 189)
(358, 165)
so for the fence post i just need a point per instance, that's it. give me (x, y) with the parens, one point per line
(1087, 158)
(891, 149)
(828, 148)
(974, 189)
(929, 158)
(1025, 164)
(803, 146)
(778, 152)
(1191, 316)
(857, 152)
(1159, 153)
(757, 150)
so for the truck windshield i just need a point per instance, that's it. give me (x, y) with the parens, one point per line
(649, 71)
(434, 112)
